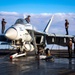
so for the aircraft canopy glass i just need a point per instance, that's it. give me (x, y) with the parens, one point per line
(21, 21)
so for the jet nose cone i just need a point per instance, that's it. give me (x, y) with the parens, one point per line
(11, 33)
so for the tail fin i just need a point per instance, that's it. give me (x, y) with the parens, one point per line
(48, 25)
(47, 28)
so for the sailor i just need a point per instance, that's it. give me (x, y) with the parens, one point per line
(48, 55)
(70, 48)
(3, 25)
(41, 48)
(66, 26)
(74, 44)
(47, 51)
(28, 18)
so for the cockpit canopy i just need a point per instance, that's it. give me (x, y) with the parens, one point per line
(21, 21)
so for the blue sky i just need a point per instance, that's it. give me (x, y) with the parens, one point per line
(38, 6)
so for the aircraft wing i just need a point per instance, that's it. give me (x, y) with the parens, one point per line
(50, 38)
(36, 32)
(39, 33)
(54, 38)
(58, 39)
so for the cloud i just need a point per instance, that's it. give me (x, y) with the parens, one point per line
(57, 26)
(8, 13)
(41, 20)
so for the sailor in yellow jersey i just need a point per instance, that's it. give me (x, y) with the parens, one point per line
(48, 55)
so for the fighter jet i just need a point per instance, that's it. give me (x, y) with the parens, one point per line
(24, 37)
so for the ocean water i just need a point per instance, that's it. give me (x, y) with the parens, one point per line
(5, 46)
(51, 46)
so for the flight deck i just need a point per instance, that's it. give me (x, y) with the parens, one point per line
(29, 65)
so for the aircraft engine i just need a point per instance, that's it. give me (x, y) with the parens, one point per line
(29, 47)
